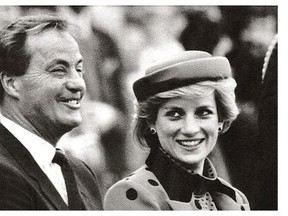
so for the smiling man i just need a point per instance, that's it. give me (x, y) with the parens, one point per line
(41, 90)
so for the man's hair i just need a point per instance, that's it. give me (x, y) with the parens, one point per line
(14, 58)
(147, 110)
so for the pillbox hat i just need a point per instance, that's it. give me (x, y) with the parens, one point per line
(184, 69)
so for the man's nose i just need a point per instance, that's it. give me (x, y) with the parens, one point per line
(76, 82)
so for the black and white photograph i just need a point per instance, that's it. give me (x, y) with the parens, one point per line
(139, 107)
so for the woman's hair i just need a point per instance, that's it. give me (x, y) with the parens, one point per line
(146, 111)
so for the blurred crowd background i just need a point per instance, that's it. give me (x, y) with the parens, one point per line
(119, 42)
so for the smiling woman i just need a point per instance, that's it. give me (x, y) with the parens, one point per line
(184, 103)
(188, 128)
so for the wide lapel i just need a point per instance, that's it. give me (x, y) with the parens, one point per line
(89, 191)
(225, 202)
(179, 184)
(83, 191)
(31, 170)
(177, 205)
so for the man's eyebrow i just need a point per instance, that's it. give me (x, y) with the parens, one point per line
(60, 61)
(65, 63)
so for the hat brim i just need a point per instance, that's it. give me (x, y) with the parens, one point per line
(182, 74)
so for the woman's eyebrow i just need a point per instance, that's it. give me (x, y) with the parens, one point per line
(172, 107)
(206, 106)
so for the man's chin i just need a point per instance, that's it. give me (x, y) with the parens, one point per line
(71, 124)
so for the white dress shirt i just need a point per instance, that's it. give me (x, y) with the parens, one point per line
(42, 152)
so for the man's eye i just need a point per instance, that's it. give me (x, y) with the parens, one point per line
(59, 70)
(80, 71)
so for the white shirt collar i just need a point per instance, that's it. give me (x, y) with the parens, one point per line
(42, 151)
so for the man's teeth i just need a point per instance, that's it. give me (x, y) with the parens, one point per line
(73, 101)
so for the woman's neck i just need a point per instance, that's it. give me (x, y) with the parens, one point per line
(190, 168)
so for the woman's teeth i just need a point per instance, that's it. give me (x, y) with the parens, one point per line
(190, 143)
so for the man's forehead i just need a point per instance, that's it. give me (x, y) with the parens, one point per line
(51, 39)
(53, 45)
(50, 35)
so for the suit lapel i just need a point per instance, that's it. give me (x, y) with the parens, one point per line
(82, 191)
(88, 190)
(31, 170)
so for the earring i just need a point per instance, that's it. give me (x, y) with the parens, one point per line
(153, 131)
(220, 129)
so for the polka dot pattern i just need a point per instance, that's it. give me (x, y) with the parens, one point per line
(153, 182)
(197, 204)
(146, 179)
(204, 202)
(131, 194)
(211, 173)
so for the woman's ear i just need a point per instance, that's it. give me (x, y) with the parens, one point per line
(151, 127)
(225, 125)
(10, 84)
(220, 127)
(150, 124)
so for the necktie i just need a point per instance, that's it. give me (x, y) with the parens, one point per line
(74, 200)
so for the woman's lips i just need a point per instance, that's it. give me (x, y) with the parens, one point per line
(190, 143)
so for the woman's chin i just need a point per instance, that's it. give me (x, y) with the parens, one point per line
(192, 159)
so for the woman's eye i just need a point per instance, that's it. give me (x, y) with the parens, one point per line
(174, 114)
(204, 113)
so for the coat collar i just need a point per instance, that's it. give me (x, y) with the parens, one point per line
(29, 167)
(179, 182)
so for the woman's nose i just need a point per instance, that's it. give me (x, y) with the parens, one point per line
(190, 126)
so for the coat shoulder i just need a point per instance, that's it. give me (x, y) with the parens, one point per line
(240, 197)
(139, 191)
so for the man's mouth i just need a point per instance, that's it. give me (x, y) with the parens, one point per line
(190, 143)
(71, 102)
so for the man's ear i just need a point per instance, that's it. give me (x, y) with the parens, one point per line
(10, 84)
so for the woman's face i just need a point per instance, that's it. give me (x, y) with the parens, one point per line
(187, 128)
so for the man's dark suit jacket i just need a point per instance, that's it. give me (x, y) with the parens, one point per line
(24, 186)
